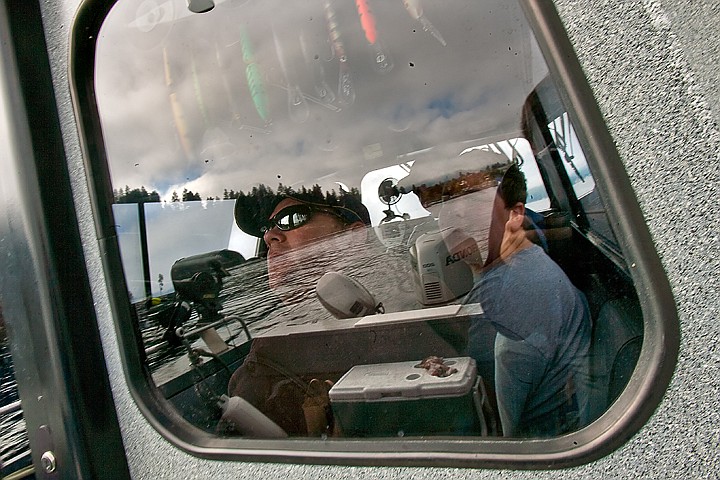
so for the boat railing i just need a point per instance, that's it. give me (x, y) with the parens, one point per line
(24, 472)
(7, 464)
(197, 331)
(10, 408)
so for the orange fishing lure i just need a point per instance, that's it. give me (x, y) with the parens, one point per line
(367, 20)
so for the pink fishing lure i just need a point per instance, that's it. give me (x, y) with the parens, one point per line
(367, 20)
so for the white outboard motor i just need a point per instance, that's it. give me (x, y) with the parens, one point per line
(441, 265)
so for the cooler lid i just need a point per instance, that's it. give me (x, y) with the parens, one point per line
(403, 381)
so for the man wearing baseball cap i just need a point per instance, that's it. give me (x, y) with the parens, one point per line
(293, 222)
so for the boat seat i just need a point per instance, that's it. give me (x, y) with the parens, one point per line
(614, 351)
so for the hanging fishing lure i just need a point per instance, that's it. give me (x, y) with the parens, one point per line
(178, 116)
(414, 8)
(383, 63)
(254, 77)
(198, 90)
(236, 118)
(215, 143)
(223, 67)
(297, 106)
(346, 90)
(322, 89)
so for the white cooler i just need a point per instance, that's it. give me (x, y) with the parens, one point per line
(398, 399)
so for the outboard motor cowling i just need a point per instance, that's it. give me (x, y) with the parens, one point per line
(441, 265)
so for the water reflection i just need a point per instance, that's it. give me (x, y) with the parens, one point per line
(14, 442)
(385, 272)
(246, 294)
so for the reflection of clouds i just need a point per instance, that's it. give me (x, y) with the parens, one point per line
(434, 94)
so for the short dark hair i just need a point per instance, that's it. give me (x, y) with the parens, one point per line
(513, 187)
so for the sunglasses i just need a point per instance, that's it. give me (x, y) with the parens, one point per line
(295, 216)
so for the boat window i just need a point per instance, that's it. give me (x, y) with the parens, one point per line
(338, 222)
(556, 144)
(15, 452)
(566, 143)
(581, 178)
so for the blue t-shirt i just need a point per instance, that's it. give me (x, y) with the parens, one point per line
(541, 348)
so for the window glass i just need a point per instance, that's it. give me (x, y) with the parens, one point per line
(334, 217)
(557, 144)
(581, 178)
(569, 149)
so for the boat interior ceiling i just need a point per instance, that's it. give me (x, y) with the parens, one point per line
(403, 118)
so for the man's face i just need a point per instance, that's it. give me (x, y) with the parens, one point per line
(292, 253)
(321, 224)
(500, 216)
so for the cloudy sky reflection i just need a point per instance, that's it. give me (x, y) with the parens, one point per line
(298, 93)
(251, 91)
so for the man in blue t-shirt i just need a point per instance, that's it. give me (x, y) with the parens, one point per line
(543, 325)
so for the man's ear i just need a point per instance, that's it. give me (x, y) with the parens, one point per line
(517, 217)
